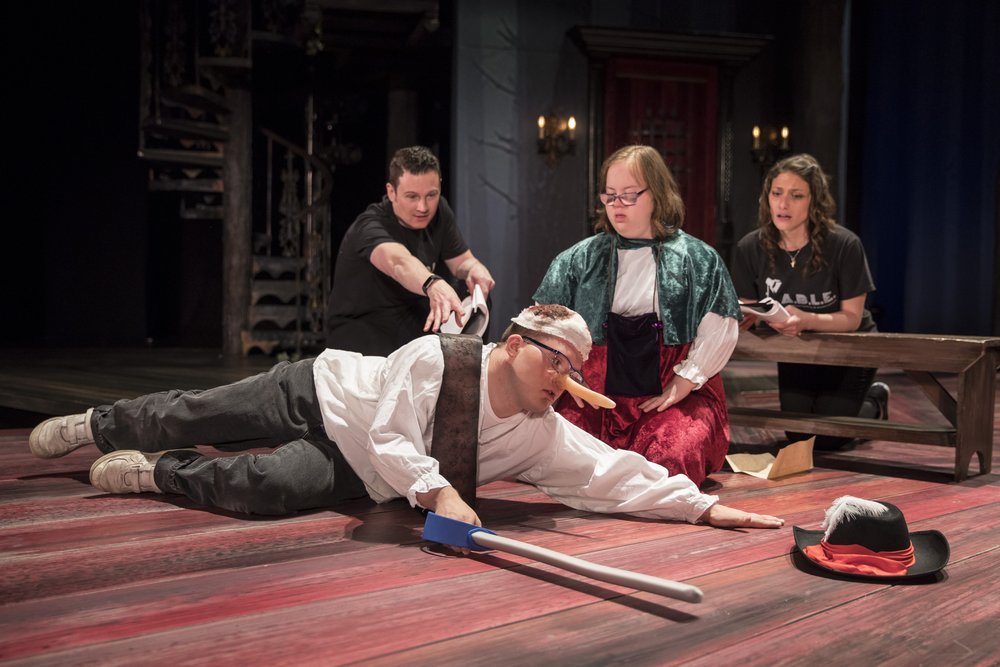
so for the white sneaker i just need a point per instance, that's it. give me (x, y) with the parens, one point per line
(60, 435)
(125, 471)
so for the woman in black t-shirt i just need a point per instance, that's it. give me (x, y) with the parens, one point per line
(800, 257)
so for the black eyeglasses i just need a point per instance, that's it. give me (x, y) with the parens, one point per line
(626, 198)
(560, 362)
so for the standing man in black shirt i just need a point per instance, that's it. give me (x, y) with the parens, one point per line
(387, 287)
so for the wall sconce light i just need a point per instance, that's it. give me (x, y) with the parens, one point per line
(556, 137)
(769, 145)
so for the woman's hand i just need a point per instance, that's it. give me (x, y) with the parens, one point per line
(676, 391)
(794, 325)
(848, 318)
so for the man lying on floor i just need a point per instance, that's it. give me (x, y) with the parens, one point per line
(344, 426)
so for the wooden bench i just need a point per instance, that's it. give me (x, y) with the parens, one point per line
(970, 415)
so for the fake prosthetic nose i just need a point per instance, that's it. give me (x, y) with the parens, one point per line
(460, 534)
(589, 395)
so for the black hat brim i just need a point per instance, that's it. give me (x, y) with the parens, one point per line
(930, 548)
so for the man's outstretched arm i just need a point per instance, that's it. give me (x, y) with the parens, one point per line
(466, 267)
(395, 261)
(722, 516)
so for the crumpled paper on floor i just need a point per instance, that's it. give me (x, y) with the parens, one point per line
(796, 457)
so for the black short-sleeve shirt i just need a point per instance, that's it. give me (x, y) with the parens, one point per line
(360, 290)
(845, 276)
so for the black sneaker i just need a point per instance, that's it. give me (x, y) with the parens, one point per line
(878, 393)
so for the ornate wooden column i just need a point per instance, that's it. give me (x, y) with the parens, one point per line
(237, 177)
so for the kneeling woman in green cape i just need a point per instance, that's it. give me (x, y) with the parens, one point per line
(663, 315)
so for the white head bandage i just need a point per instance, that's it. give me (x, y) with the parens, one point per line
(558, 321)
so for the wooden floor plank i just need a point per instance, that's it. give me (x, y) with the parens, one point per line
(319, 578)
(742, 605)
(29, 576)
(87, 578)
(890, 626)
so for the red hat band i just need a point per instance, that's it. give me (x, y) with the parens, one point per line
(856, 559)
(870, 540)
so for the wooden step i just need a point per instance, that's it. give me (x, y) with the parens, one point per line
(207, 185)
(277, 266)
(201, 211)
(848, 427)
(178, 128)
(230, 71)
(280, 314)
(287, 337)
(181, 157)
(283, 290)
(270, 341)
(196, 97)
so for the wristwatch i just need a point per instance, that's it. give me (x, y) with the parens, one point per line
(431, 279)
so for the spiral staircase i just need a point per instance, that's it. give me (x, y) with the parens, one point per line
(198, 137)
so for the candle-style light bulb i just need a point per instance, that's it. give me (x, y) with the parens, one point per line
(541, 127)
(756, 137)
(572, 127)
(784, 138)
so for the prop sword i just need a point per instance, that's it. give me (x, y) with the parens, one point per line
(460, 534)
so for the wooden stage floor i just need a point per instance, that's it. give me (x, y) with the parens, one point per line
(94, 579)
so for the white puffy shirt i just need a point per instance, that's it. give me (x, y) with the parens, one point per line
(380, 412)
(635, 295)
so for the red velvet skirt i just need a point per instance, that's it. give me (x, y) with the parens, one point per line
(691, 437)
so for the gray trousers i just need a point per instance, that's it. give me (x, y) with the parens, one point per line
(277, 409)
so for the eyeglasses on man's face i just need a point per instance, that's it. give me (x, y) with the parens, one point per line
(560, 362)
(626, 198)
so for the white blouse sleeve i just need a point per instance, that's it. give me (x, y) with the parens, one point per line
(713, 345)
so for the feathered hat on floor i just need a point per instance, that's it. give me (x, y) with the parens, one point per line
(870, 540)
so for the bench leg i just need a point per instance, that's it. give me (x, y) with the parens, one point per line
(938, 395)
(976, 397)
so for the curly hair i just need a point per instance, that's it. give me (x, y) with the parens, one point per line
(647, 165)
(414, 159)
(821, 208)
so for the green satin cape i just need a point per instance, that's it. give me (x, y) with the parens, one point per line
(693, 281)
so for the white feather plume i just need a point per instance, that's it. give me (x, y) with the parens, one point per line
(848, 507)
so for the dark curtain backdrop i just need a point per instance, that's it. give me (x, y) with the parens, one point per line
(930, 167)
(74, 191)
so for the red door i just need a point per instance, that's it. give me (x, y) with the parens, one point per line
(672, 107)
